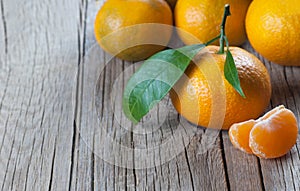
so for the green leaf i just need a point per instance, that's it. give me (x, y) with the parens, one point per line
(154, 79)
(231, 74)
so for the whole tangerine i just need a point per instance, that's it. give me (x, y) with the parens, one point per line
(203, 93)
(133, 30)
(273, 30)
(199, 21)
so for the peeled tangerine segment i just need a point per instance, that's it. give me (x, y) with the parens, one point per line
(239, 135)
(274, 134)
(270, 136)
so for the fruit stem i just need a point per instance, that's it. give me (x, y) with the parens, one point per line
(222, 33)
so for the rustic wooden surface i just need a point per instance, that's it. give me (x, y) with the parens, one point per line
(60, 116)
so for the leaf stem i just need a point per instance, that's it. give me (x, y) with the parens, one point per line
(212, 40)
(222, 33)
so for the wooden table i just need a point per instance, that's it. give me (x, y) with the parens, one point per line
(60, 116)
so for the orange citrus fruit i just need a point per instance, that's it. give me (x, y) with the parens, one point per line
(273, 30)
(199, 90)
(133, 29)
(202, 19)
(270, 136)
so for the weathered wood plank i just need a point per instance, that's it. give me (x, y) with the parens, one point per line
(39, 61)
(283, 173)
(83, 158)
(243, 169)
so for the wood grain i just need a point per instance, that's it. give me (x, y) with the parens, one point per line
(62, 126)
(283, 173)
(39, 61)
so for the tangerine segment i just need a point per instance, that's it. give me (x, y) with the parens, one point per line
(274, 134)
(239, 135)
(270, 136)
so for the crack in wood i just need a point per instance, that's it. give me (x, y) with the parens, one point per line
(72, 154)
(189, 167)
(52, 167)
(29, 162)
(224, 160)
(261, 175)
(93, 167)
(4, 27)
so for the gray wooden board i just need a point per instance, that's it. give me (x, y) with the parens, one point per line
(62, 126)
(39, 63)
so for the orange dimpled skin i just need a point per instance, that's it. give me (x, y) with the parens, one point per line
(201, 88)
(199, 21)
(270, 136)
(273, 28)
(128, 28)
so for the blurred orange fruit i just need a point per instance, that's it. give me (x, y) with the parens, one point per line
(133, 29)
(273, 30)
(270, 136)
(202, 20)
(203, 87)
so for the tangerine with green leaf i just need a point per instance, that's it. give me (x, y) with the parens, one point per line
(194, 95)
(219, 87)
